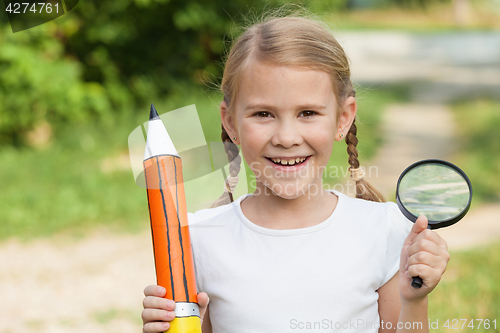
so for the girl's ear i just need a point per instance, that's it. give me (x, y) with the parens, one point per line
(228, 121)
(346, 117)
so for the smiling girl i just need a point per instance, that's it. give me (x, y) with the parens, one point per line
(292, 256)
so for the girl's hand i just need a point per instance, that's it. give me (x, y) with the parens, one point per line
(424, 254)
(158, 311)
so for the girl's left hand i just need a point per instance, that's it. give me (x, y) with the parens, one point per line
(424, 254)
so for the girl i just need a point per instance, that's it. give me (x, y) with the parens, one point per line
(292, 256)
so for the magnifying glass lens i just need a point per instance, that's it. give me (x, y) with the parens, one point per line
(434, 190)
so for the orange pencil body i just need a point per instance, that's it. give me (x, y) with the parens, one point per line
(169, 227)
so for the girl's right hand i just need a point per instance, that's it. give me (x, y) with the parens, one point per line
(159, 311)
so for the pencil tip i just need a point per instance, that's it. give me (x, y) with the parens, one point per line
(153, 114)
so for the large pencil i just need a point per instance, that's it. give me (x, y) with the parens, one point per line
(169, 226)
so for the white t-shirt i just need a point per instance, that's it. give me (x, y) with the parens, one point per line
(315, 279)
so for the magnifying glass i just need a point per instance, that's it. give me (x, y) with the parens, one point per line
(437, 189)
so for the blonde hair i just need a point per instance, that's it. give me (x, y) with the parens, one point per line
(291, 41)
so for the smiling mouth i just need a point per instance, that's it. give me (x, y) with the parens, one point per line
(288, 161)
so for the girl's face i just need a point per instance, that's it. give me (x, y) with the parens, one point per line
(285, 119)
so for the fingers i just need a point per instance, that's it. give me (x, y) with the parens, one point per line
(432, 236)
(203, 300)
(427, 244)
(437, 263)
(427, 241)
(150, 315)
(425, 272)
(153, 302)
(155, 327)
(157, 310)
(429, 261)
(154, 290)
(424, 254)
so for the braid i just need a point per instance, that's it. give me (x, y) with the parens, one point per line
(234, 158)
(364, 190)
(352, 142)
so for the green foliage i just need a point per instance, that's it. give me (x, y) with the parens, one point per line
(37, 82)
(107, 58)
(478, 122)
(83, 181)
(154, 46)
(328, 5)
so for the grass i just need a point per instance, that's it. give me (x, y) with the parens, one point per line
(64, 187)
(468, 290)
(478, 122)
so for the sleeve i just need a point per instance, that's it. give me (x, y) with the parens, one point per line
(397, 229)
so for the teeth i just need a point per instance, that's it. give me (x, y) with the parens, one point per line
(289, 162)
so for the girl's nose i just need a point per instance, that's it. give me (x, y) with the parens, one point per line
(286, 135)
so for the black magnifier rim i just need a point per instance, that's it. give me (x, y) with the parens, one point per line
(441, 223)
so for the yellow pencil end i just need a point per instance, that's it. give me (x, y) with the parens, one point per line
(185, 325)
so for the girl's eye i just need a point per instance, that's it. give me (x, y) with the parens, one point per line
(263, 114)
(308, 113)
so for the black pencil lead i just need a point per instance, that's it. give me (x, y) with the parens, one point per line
(153, 114)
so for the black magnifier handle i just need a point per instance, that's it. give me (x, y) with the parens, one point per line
(416, 282)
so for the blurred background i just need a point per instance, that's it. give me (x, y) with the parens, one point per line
(75, 248)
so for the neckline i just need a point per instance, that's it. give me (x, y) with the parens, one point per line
(288, 232)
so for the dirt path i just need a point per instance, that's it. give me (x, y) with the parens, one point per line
(412, 132)
(58, 285)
